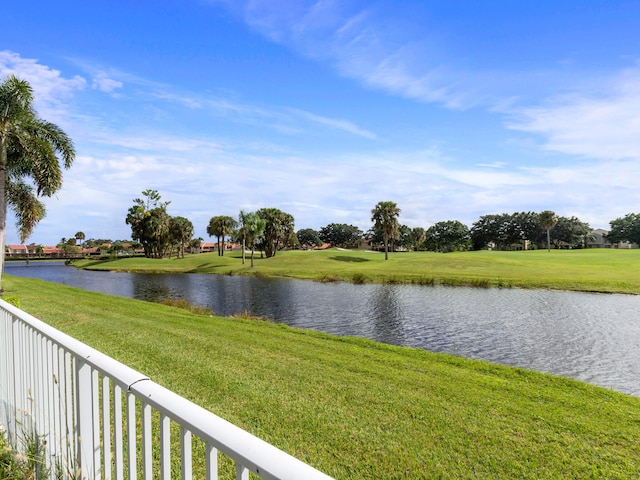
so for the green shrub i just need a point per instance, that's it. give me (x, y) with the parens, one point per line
(31, 464)
(328, 278)
(186, 305)
(12, 299)
(358, 278)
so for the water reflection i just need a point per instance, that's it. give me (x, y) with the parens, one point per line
(594, 338)
(386, 312)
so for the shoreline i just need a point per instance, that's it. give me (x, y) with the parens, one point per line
(589, 271)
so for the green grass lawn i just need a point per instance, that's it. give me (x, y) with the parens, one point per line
(596, 270)
(355, 408)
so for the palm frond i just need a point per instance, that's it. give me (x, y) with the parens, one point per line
(60, 141)
(28, 209)
(16, 98)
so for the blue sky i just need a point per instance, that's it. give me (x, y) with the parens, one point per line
(452, 109)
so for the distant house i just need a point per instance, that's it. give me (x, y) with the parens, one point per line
(598, 239)
(206, 247)
(15, 250)
(106, 249)
(33, 251)
(625, 245)
(51, 251)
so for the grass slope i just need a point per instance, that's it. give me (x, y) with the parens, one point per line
(596, 270)
(355, 408)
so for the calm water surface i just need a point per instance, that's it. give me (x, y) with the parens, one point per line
(591, 337)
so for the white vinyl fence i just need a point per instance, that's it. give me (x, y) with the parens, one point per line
(99, 419)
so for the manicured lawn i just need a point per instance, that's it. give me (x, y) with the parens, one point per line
(597, 270)
(355, 408)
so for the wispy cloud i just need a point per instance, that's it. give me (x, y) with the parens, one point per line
(603, 124)
(284, 119)
(378, 48)
(335, 123)
(54, 92)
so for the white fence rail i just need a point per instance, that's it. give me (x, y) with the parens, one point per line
(100, 419)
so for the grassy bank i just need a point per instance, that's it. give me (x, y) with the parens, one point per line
(591, 270)
(355, 408)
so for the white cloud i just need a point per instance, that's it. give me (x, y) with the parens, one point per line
(102, 82)
(427, 187)
(603, 124)
(51, 90)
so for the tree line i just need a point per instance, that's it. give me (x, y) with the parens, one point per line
(269, 230)
(503, 231)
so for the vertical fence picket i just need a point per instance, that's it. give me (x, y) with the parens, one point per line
(12, 366)
(212, 461)
(84, 417)
(37, 400)
(117, 432)
(147, 438)
(165, 447)
(95, 413)
(70, 420)
(242, 473)
(52, 414)
(131, 435)
(186, 453)
(19, 380)
(106, 428)
(5, 368)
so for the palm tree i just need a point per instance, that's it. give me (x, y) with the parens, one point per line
(548, 220)
(385, 219)
(242, 231)
(255, 229)
(80, 236)
(29, 150)
(251, 229)
(221, 226)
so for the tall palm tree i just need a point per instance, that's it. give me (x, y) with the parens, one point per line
(548, 220)
(243, 218)
(79, 236)
(254, 227)
(385, 219)
(29, 150)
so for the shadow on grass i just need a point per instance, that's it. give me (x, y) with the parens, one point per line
(350, 259)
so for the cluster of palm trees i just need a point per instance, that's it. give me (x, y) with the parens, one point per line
(248, 228)
(268, 228)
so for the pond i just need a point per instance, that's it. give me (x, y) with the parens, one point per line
(590, 337)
